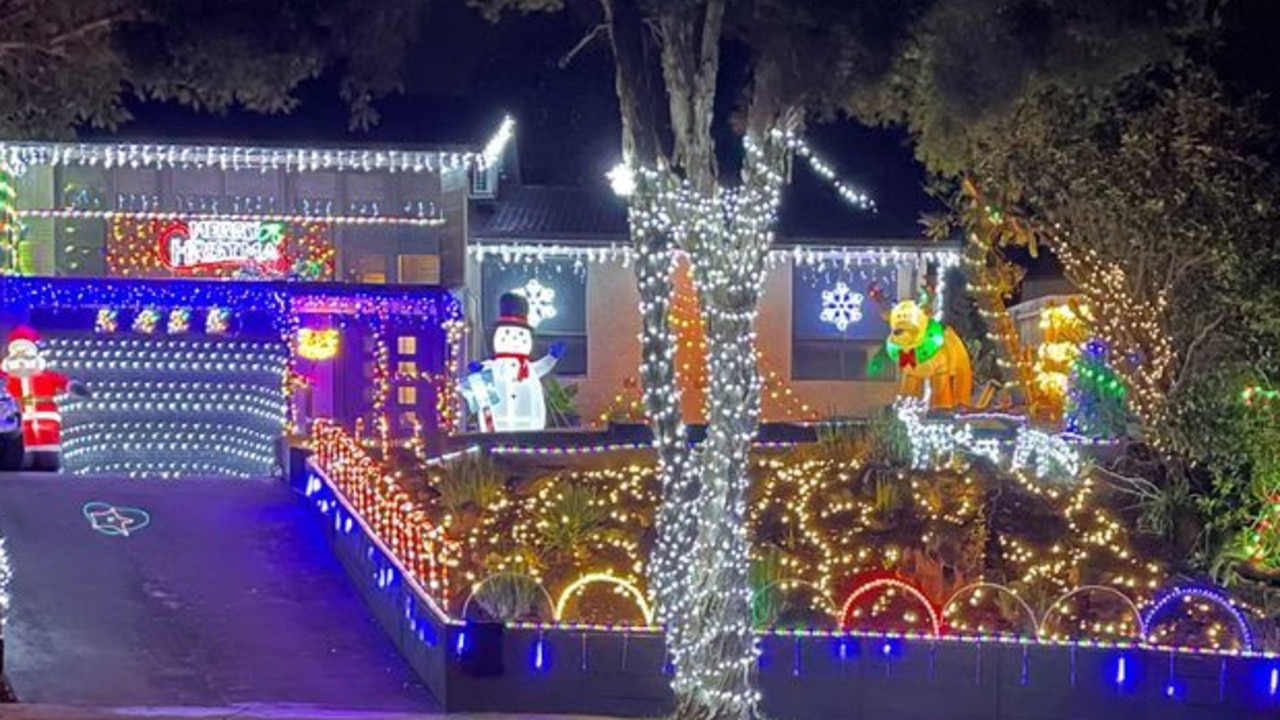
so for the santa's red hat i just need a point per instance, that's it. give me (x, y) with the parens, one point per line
(21, 336)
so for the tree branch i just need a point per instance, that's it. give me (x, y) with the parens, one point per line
(52, 46)
(591, 35)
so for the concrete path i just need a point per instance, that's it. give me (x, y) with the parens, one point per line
(214, 593)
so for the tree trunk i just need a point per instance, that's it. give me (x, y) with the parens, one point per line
(727, 244)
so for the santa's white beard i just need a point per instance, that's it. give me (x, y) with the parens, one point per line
(23, 367)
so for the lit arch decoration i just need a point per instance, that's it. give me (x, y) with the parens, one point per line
(1167, 599)
(975, 586)
(836, 614)
(1137, 614)
(877, 580)
(597, 578)
(505, 573)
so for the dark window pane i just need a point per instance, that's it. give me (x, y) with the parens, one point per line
(815, 361)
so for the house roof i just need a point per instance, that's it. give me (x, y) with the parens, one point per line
(543, 212)
(587, 216)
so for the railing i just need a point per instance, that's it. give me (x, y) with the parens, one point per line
(398, 522)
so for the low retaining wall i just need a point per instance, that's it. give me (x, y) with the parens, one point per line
(803, 677)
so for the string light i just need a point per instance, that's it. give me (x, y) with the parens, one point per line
(317, 343)
(10, 228)
(20, 155)
(589, 579)
(142, 218)
(386, 508)
(166, 407)
(1184, 596)
(808, 256)
(306, 252)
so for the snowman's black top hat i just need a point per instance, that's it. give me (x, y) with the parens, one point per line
(513, 311)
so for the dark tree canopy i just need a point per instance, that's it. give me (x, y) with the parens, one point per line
(65, 63)
(969, 62)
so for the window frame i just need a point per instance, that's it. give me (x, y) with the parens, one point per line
(842, 346)
(543, 339)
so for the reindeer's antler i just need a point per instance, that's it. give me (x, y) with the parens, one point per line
(879, 297)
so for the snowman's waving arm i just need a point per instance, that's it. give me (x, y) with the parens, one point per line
(544, 364)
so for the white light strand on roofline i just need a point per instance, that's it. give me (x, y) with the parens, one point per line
(507, 254)
(21, 155)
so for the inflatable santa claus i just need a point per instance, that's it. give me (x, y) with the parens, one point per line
(29, 380)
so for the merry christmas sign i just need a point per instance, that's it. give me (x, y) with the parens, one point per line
(220, 248)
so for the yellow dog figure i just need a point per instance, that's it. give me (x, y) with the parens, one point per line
(925, 349)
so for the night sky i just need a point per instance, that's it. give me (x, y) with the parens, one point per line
(466, 73)
(464, 80)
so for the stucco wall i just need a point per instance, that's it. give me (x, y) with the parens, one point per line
(613, 337)
(828, 398)
(613, 357)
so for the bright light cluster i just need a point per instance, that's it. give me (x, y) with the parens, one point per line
(823, 527)
(398, 522)
(169, 407)
(1131, 328)
(935, 444)
(133, 241)
(841, 306)
(1064, 328)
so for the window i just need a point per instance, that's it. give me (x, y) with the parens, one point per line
(407, 395)
(369, 269)
(420, 269)
(407, 345)
(557, 294)
(837, 329)
(407, 368)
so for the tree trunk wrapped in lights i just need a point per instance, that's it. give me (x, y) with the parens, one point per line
(667, 58)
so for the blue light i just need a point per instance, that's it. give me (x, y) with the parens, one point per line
(346, 526)
(887, 650)
(1171, 690)
(539, 655)
(460, 646)
(1122, 671)
(1274, 683)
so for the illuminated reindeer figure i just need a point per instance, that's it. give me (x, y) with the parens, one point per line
(925, 349)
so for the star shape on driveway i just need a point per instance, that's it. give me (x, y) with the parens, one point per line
(115, 521)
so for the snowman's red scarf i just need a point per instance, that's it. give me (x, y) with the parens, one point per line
(523, 372)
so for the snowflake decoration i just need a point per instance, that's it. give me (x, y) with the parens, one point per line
(542, 301)
(841, 306)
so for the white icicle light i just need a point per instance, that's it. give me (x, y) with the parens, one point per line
(20, 155)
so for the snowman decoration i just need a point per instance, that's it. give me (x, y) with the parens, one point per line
(505, 392)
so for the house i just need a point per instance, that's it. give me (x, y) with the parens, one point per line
(138, 261)
(567, 249)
